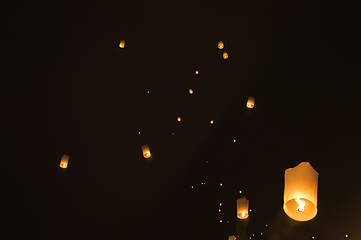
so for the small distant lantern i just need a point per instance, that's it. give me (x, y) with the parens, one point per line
(179, 119)
(225, 55)
(146, 151)
(220, 45)
(232, 237)
(300, 193)
(197, 72)
(211, 122)
(190, 91)
(242, 208)
(64, 161)
(122, 44)
(250, 102)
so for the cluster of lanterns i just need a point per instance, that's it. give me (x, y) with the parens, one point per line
(300, 184)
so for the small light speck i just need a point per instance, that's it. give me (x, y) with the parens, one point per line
(206, 161)
(313, 237)
(139, 132)
(227, 221)
(220, 220)
(250, 210)
(219, 210)
(261, 233)
(346, 235)
(221, 184)
(234, 140)
(190, 91)
(179, 119)
(240, 191)
(197, 72)
(191, 186)
(211, 121)
(253, 234)
(266, 225)
(173, 133)
(220, 204)
(147, 91)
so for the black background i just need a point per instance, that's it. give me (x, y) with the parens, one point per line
(67, 88)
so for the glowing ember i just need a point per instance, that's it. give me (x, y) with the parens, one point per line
(301, 205)
(179, 119)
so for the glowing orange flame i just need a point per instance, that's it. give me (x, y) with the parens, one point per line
(301, 205)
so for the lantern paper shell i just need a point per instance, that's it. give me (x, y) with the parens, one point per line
(232, 237)
(122, 44)
(146, 151)
(220, 45)
(64, 161)
(300, 193)
(225, 55)
(242, 208)
(250, 102)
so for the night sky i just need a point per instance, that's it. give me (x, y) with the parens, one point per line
(67, 88)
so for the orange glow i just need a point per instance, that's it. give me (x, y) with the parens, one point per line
(232, 237)
(220, 220)
(190, 91)
(219, 210)
(220, 45)
(122, 44)
(225, 55)
(234, 140)
(242, 208)
(64, 161)
(221, 184)
(300, 192)
(211, 122)
(146, 151)
(179, 119)
(197, 72)
(250, 102)
(220, 204)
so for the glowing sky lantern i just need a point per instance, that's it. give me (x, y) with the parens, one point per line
(179, 119)
(220, 45)
(242, 208)
(190, 91)
(250, 102)
(146, 151)
(122, 44)
(300, 193)
(225, 55)
(197, 72)
(64, 161)
(232, 237)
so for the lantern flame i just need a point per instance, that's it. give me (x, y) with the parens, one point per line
(301, 205)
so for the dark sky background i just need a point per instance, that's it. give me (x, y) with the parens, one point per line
(67, 88)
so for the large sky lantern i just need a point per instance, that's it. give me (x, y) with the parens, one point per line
(146, 151)
(300, 193)
(232, 237)
(64, 161)
(242, 208)
(250, 102)
(220, 45)
(225, 55)
(122, 44)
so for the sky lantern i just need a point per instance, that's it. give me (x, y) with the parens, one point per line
(300, 193)
(225, 55)
(250, 102)
(146, 151)
(190, 91)
(197, 72)
(64, 161)
(122, 44)
(220, 45)
(242, 208)
(232, 237)
(179, 119)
